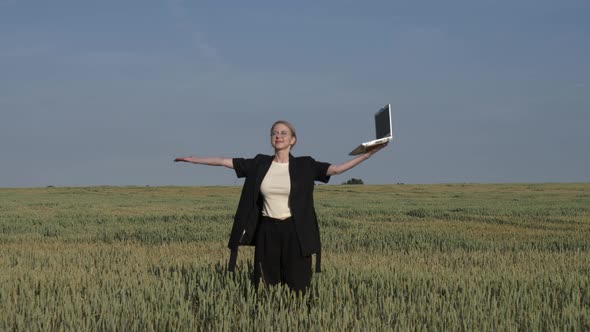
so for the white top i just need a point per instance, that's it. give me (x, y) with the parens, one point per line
(275, 190)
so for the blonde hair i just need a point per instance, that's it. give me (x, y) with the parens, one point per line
(289, 125)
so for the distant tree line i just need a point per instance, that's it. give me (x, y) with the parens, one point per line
(354, 181)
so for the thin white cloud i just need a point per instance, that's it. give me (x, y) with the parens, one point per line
(116, 58)
(197, 39)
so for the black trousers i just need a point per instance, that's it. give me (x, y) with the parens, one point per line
(278, 258)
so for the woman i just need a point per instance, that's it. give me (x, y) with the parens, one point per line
(276, 211)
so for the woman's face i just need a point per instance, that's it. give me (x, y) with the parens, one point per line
(281, 137)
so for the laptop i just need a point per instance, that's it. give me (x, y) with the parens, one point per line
(383, 131)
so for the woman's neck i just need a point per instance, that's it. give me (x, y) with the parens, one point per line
(281, 156)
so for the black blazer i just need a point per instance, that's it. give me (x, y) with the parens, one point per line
(303, 171)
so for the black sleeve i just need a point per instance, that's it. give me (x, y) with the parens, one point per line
(243, 167)
(320, 171)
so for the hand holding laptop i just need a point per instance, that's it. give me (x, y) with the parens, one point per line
(373, 149)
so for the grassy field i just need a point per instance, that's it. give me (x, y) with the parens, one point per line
(396, 257)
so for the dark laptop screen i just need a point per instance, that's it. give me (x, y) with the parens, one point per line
(383, 123)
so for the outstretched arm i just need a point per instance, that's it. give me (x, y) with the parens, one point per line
(345, 166)
(212, 161)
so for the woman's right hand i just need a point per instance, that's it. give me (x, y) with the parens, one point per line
(190, 159)
(211, 161)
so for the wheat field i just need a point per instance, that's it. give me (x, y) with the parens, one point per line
(463, 257)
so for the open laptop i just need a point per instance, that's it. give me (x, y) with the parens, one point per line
(383, 131)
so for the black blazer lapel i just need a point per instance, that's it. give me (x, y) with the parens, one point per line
(294, 178)
(260, 173)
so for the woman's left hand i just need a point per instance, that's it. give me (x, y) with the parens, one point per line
(372, 150)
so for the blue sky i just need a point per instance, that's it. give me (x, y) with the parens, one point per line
(109, 92)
